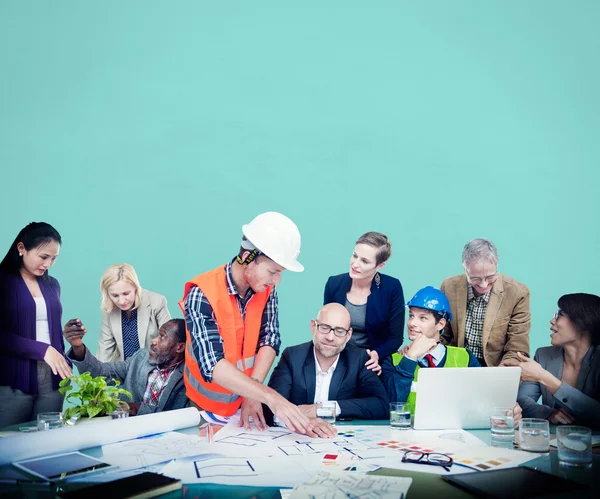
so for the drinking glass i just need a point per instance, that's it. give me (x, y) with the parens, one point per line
(534, 435)
(400, 415)
(326, 411)
(502, 425)
(49, 421)
(574, 445)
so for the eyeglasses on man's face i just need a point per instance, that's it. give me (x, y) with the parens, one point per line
(431, 458)
(489, 279)
(326, 329)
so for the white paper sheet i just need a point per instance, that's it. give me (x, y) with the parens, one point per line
(491, 458)
(153, 449)
(333, 484)
(41, 443)
(250, 471)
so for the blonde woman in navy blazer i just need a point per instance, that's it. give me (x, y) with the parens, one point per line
(126, 306)
(378, 296)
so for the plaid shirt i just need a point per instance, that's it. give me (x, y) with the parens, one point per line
(476, 307)
(157, 380)
(202, 325)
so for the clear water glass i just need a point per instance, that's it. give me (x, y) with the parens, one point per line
(49, 421)
(326, 411)
(502, 424)
(574, 445)
(400, 415)
(120, 414)
(534, 435)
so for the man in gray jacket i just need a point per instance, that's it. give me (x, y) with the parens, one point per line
(153, 376)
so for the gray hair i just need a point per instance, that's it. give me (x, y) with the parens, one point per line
(480, 249)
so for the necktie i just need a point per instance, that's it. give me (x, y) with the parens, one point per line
(429, 360)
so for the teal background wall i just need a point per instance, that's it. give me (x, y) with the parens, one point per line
(149, 132)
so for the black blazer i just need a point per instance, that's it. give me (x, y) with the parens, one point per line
(384, 322)
(358, 391)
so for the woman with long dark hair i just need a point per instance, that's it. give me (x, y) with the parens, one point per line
(32, 360)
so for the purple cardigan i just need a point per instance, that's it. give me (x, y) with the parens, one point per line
(20, 351)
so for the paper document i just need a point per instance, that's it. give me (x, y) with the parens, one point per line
(250, 471)
(333, 484)
(154, 449)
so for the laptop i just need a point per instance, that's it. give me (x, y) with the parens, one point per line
(463, 397)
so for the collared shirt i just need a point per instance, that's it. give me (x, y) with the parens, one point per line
(322, 384)
(129, 327)
(323, 380)
(438, 353)
(157, 380)
(204, 331)
(476, 307)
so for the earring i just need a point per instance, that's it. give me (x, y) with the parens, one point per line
(377, 279)
(20, 254)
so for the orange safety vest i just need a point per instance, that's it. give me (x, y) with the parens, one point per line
(240, 339)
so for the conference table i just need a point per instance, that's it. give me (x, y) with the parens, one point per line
(424, 485)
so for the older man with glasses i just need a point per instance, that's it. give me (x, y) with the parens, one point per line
(328, 369)
(490, 310)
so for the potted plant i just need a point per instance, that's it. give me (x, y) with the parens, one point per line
(94, 396)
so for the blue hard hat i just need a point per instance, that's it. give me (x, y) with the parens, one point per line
(433, 299)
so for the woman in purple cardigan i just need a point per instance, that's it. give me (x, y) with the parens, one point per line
(32, 360)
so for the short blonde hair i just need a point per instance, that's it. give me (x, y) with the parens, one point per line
(114, 273)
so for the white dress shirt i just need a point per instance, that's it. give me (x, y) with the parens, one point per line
(437, 353)
(323, 382)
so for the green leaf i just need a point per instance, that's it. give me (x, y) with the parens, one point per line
(94, 410)
(93, 396)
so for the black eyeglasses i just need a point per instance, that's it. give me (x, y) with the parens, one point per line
(558, 314)
(326, 329)
(432, 458)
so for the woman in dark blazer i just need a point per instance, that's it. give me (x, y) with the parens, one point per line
(375, 301)
(32, 358)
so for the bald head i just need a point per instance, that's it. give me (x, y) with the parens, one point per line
(335, 315)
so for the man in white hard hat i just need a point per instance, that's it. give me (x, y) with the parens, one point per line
(232, 324)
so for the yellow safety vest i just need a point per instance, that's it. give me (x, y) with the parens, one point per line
(455, 357)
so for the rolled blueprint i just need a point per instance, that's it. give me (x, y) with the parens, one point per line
(92, 434)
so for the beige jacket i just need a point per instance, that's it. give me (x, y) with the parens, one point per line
(507, 318)
(151, 315)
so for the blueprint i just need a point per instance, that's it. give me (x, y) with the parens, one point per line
(334, 484)
(154, 449)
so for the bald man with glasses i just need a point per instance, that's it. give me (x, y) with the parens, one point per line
(329, 369)
(490, 310)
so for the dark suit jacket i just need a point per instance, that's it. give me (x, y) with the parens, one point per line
(358, 391)
(384, 322)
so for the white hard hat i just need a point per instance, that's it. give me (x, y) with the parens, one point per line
(277, 237)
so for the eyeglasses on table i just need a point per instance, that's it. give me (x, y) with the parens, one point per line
(431, 458)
